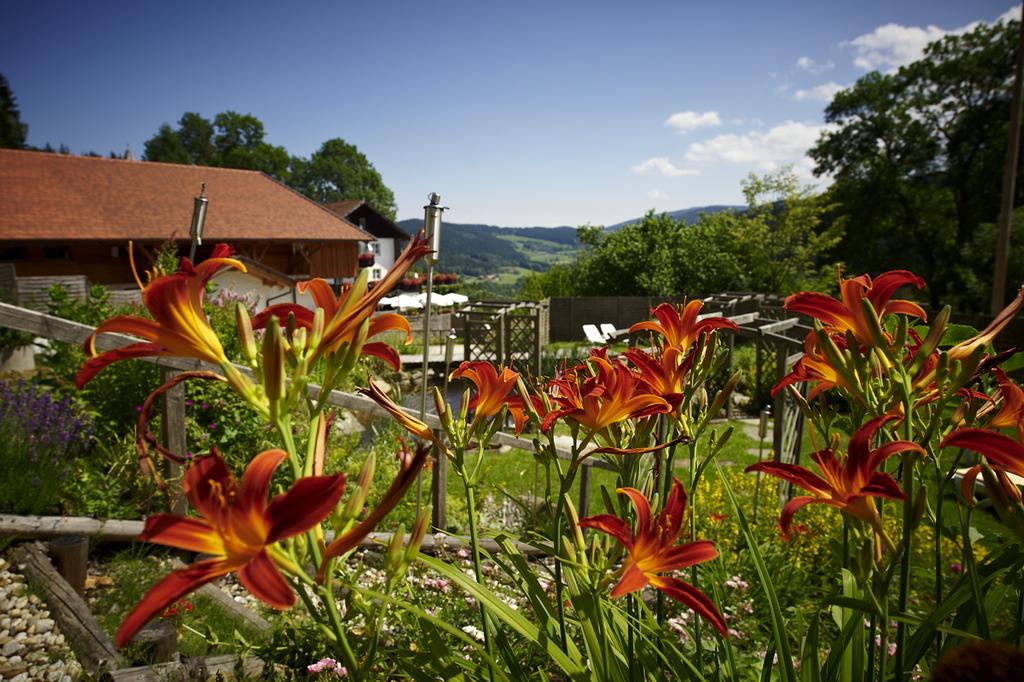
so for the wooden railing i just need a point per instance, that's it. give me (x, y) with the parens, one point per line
(66, 331)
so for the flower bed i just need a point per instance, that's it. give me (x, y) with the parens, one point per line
(880, 561)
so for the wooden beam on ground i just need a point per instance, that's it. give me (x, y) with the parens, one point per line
(127, 531)
(93, 649)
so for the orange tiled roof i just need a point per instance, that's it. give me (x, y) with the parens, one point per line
(57, 196)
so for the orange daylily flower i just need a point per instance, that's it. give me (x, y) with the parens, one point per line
(665, 374)
(847, 314)
(611, 395)
(345, 314)
(494, 390)
(681, 331)
(1003, 454)
(815, 368)
(653, 551)
(239, 527)
(849, 485)
(179, 325)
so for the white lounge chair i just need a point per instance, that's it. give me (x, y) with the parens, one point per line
(608, 331)
(593, 335)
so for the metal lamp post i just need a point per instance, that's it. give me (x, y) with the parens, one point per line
(431, 230)
(195, 232)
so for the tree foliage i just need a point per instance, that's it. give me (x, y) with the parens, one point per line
(336, 171)
(13, 132)
(778, 245)
(917, 158)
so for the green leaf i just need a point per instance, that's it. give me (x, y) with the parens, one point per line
(575, 669)
(781, 639)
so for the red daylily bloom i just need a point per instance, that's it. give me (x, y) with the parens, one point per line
(179, 325)
(815, 368)
(681, 331)
(1011, 413)
(345, 314)
(494, 390)
(611, 395)
(1002, 453)
(848, 486)
(653, 551)
(664, 375)
(238, 526)
(847, 314)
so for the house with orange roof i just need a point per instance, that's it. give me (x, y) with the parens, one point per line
(71, 215)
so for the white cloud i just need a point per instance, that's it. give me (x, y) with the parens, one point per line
(685, 121)
(822, 93)
(891, 46)
(655, 194)
(811, 66)
(663, 166)
(786, 143)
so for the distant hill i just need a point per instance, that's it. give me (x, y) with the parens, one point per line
(689, 215)
(485, 249)
(509, 252)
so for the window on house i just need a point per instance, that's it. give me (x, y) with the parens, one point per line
(374, 248)
(13, 253)
(56, 253)
(376, 273)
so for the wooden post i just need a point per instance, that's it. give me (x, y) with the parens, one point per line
(71, 554)
(501, 339)
(779, 408)
(173, 436)
(439, 492)
(157, 643)
(584, 490)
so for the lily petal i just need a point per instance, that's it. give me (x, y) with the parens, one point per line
(169, 590)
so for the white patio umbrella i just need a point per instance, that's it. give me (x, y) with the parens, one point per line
(408, 301)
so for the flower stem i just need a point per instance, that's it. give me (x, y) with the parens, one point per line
(474, 541)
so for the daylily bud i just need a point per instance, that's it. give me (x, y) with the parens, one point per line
(355, 502)
(464, 411)
(875, 328)
(931, 340)
(394, 557)
(920, 506)
(290, 324)
(317, 332)
(245, 333)
(419, 531)
(273, 364)
(528, 405)
(444, 414)
(299, 340)
(352, 354)
(574, 526)
(723, 395)
(902, 325)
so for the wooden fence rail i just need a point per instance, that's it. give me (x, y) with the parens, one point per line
(66, 331)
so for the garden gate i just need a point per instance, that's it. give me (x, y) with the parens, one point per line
(506, 333)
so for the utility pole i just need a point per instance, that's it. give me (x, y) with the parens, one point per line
(1009, 183)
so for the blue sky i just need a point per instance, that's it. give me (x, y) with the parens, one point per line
(546, 113)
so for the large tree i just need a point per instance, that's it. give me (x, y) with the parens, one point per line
(231, 140)
(338, 170)
(13, 132)
(917, 156)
